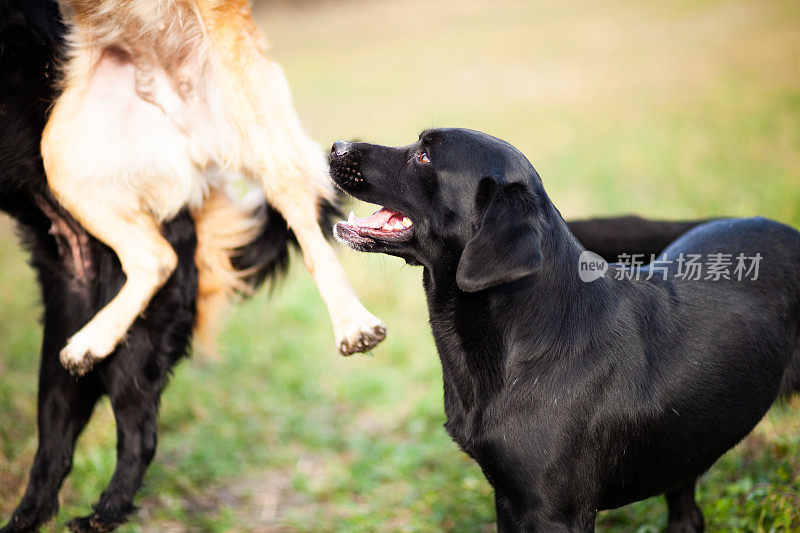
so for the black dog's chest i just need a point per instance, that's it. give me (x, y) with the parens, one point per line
(472, 362)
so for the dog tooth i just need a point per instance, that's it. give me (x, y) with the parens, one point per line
(407, 222)
(351, 218)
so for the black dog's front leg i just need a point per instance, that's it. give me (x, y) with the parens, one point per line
(505, 521)
(532, 520)
(136, 445)
(683, 514)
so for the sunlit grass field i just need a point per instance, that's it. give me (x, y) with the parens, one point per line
(667, 109)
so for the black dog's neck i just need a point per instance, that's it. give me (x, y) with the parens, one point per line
(555, 285)
(474, 352)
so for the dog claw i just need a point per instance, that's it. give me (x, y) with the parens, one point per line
(364, 341)
(80, 354)
(78, 366)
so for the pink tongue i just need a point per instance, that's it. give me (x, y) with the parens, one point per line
(375, 220)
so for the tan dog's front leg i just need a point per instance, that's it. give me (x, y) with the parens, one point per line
(295, 179)
(355, 328)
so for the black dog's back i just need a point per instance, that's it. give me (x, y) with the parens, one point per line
(772, 250)
(775, 248)
(628, 234)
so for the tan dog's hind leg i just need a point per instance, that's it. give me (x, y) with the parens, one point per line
(147, 260)
(295, 179)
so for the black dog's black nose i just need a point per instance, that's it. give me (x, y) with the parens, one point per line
(340, 148)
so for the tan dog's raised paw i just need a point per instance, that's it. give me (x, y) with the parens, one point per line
(360, 335)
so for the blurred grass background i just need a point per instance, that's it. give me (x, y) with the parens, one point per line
(667, 109)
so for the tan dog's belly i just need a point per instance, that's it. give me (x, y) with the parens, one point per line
(124, 140)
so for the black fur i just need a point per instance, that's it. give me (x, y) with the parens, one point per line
(630, 234)
(134, 376)
(268, 255)
(577, 396)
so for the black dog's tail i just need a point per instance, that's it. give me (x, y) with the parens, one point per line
(610, 237)
(240, 245)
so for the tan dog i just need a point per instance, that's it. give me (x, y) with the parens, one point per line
(163, 101)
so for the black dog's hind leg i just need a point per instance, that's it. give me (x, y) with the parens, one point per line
(64, 407)
(684, 516)
(135, 406)
(137, 374)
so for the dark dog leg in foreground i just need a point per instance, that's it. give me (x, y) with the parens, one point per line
(135, 411)
(64, 407)
(684, 515)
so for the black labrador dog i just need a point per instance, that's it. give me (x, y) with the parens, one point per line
(78, 276)
(576, 396)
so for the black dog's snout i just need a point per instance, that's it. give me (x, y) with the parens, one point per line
(345, 164)
(340, 148)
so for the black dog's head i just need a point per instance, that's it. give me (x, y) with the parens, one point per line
(455, 198)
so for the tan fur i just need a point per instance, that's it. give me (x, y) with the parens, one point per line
(163, 101)
(223, 225)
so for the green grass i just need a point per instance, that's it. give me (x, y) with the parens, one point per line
(673, 109)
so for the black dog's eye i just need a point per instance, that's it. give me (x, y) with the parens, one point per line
(422, 157)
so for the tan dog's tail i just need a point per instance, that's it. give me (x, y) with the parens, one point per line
(240, 245)
(223, 226)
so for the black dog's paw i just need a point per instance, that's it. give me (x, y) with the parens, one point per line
(29, 518)
(10, 528)
(95, 523)
(18, 525)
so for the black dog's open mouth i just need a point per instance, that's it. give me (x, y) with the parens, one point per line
(384, 225)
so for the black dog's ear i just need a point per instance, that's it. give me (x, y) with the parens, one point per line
(506, 243)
